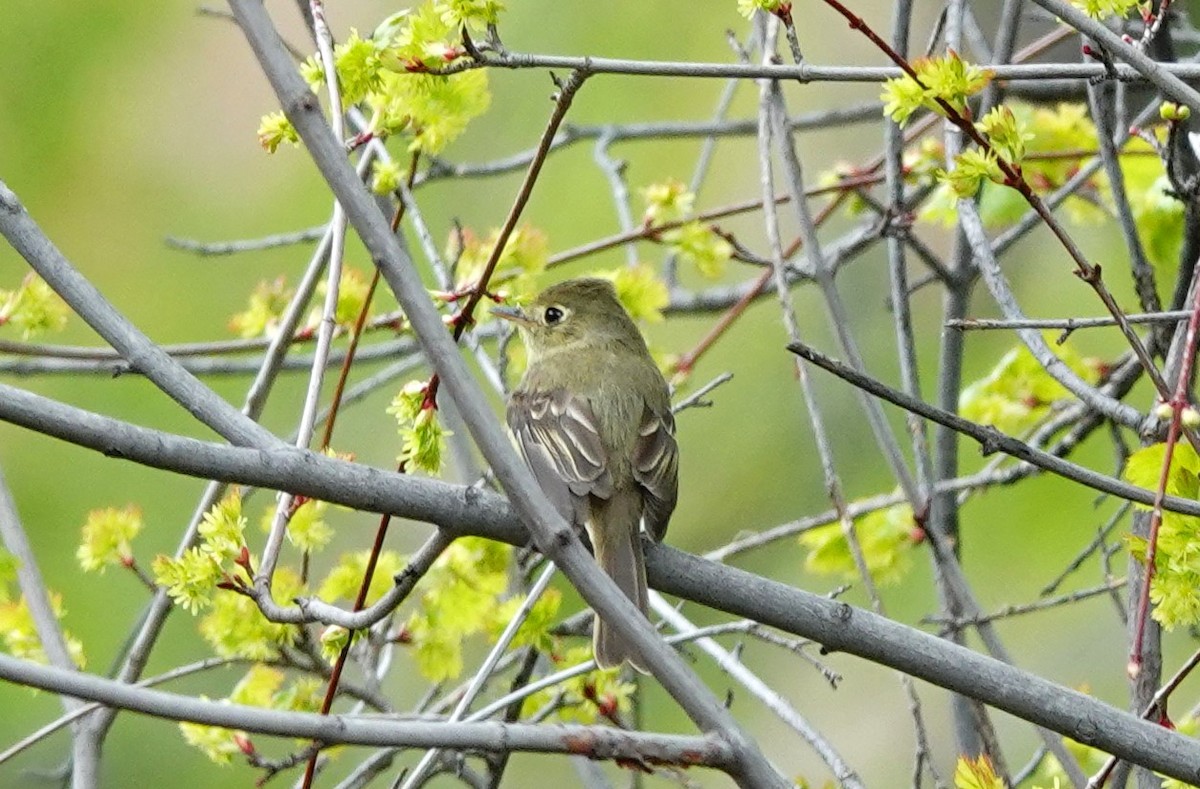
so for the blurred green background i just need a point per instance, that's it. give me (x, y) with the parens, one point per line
(123, 123)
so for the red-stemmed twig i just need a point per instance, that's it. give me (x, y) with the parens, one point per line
(1156, 707)
(1153, 22)
(1178, 402)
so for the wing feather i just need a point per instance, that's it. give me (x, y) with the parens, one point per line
(656, 469)
(558, 437)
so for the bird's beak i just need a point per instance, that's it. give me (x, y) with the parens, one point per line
(513, 314)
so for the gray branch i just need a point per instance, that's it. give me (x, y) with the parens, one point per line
(466, 510)
(599, 742)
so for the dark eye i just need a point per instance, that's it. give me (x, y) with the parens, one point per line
(553, 315)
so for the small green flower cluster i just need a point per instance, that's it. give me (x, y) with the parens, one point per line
(270, 299)
(261, 686)
(33, 308)
(524, 256)
(1175, 588)
(941, 82)
(1018, 392)
(886, 537)
(695, 243)
(461, 596)
(422, 436)
(18, 634)
(1105, 9)
(1049, 143)
(393, 73)
(640, 290)
(747, 7)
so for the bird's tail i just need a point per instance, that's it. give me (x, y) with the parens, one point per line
(614, 533)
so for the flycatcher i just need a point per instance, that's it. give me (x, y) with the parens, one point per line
(592, 418)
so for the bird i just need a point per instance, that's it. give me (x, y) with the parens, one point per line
(592, 419)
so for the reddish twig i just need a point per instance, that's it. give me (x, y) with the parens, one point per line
(1156, 706)
(1178, 402)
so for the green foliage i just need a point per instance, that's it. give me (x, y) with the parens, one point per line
(535, 630)
(417, 39)
(353, 287)
(585, 698)
(357, 63)
(1158, 215)
(1018, 392)
(1005, 132)
(1144, 468)
(20, 637)
(460, 597)
(223, 528)
(1057, 132)
(886, 537)
(976, 773)
(668, 201)
(192, 579)
(473, 14)
(524, 256)
(700, 245)
(386, 176)
(641, 291)
(267, 304)
(219, 745)
(422, 437)
(334, 639)
(274, 130)
(108, 537)
(695, 242)
(344, 580)
(306, 526)
(390, 73)
(235, 627)
(307, 529)
(1048, 143)
(1007, 137)
(434, 109)
(1104, 9)
(972, 169)
(1175, 588)
(33, 308)
(262, 686)
(747, 7)
(947, 78)
(8, 574)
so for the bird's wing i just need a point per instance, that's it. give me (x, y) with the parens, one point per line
(656, 469)
(558, 436)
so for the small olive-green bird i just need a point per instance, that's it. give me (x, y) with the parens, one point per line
(592, 418)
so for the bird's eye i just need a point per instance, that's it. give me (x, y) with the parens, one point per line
(553, 315)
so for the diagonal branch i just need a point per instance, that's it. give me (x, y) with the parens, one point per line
(23, 233)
